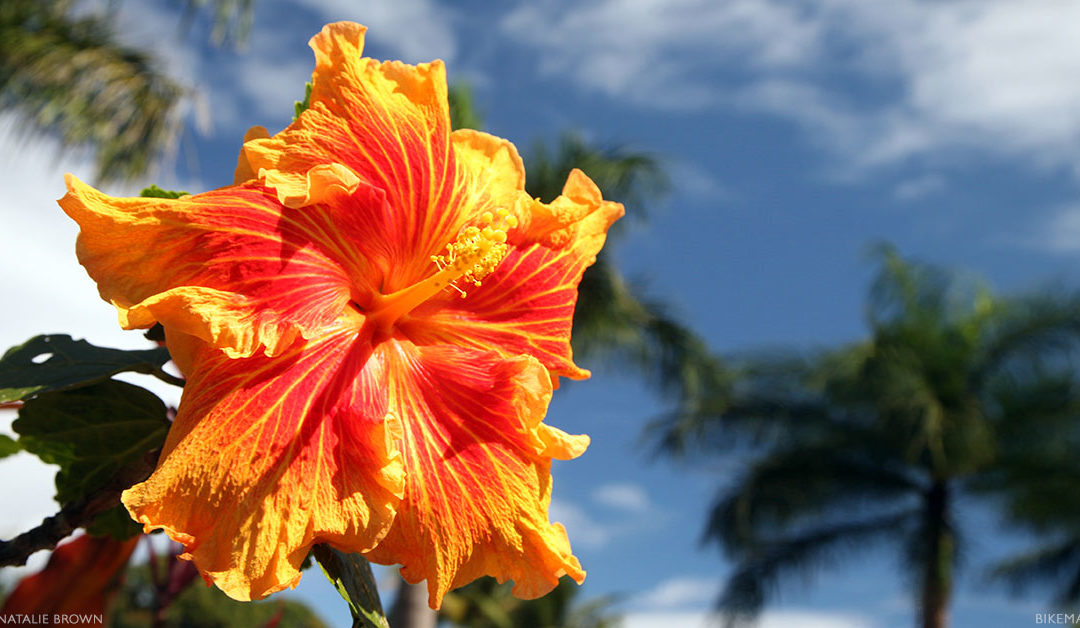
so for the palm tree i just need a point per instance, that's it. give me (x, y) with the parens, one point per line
(874, 442)
(613, 320)
(65, 74)
(487, 604)
(1037, 482)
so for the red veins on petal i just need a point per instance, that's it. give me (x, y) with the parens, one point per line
(232, 266)
(269, 456)
(478, 461)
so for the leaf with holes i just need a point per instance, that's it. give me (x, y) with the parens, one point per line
(58, 362)
(92, 433)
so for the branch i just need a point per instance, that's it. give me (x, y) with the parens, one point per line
(76, 514)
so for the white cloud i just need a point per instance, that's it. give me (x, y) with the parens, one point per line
(1060, 234)
(919, 187)
(582, 529)
(416, 30)
(877, 83)
(627, 497)
(691, 179)
(680, 592)
(649, 51)
(772, 619)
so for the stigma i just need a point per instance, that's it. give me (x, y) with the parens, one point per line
(474, 255)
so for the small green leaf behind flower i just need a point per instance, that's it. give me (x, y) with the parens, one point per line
(93, 433)
(301, 106)
(155, 192)
(8, 446)
(352, 577)
(58, 362)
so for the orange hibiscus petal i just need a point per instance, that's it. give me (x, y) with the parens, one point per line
(232, 266)
(269, 456)
(79, 579)
(243, 171)
(478, 461)
(386, 122)
(527, 305)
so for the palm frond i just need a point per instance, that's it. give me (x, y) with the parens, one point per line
(1049, 565)
(1033, 332)
(631, 177)
(231, 19)
(611, 321)
(70, 78)
(463, 111)
(809, 484)
(759, 573)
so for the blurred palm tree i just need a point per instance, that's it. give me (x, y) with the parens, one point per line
(876, 442)
(65, 73)
(1037, 482)
(614, 320)
(67, 76)
(487, 604)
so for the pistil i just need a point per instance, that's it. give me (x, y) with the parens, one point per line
(474, 255)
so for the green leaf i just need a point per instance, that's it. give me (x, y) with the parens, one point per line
(8, 446)
(92, 433)
(352, 577)
(155, 192)
(57, 362)
(301, 106)
(115, 522)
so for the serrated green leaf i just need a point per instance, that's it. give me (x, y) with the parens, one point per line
(352, 577)
(155, 192)
(8, 446)
(58, 362)
(92, 433)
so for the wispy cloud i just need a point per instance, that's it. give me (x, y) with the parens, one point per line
(1059, 234)
(584, 529)
(685, 591)
(615, 511)
(919, 187)
(626, 497)
(416, 31)
(773, 619)
(875, 83)
(651, 51)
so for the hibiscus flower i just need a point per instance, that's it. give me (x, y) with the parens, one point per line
(371, 322)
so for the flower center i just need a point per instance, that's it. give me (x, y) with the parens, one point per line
(474, 255)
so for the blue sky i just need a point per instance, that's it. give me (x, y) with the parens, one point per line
(797, 135)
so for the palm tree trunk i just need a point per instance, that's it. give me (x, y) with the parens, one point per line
(937, 578)
(410, 609)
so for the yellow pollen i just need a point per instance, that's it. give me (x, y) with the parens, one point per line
(475, 254)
